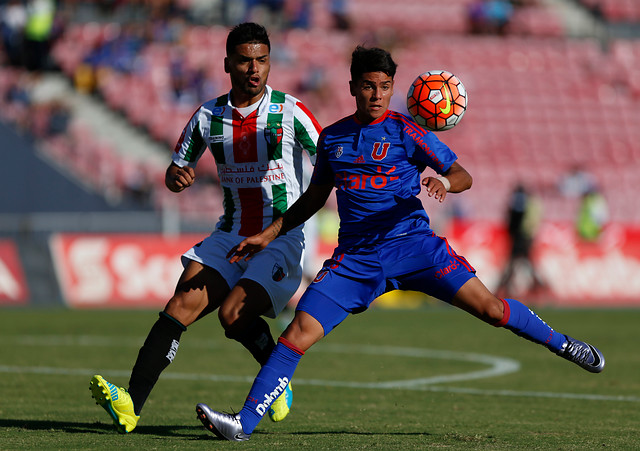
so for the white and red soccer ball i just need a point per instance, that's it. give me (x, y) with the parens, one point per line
(437, 100)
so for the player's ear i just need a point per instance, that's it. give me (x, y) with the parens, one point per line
(226, 65)
(352, 88)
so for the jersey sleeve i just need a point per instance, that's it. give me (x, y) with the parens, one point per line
(191, 144)
(307, 130)
(428, 150)
(322, 172)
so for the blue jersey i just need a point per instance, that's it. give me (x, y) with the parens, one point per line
(376, 170)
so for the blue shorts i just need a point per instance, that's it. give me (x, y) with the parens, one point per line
(349, 282)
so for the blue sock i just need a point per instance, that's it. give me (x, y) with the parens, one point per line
(269, 383)
(519, 319)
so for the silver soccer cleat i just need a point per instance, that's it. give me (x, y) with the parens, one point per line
(583, 354)
(224, 425)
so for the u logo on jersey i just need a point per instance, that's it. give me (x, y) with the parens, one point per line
(380, 150)
(273, 134)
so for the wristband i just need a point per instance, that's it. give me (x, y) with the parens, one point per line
(445, 181)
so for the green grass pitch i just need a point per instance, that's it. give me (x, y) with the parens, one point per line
(433, 377)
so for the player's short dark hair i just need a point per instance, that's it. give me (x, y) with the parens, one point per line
(245, 33)
(373, 59)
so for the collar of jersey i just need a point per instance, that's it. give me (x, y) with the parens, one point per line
(375, 122)
(264, 104)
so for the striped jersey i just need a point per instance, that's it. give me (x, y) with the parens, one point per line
(376, 169)
(259, 158)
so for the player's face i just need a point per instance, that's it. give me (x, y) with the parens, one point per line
(248, 67)
(373, 93)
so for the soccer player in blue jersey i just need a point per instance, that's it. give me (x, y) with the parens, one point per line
(375, 158)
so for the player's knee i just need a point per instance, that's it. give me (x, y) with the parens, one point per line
(493, 311)
(183, 309)
(486, 307)
(232, 321)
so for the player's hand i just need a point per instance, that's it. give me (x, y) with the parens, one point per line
(254, 244)
(247, 248)
(435, 188)
(177, 178)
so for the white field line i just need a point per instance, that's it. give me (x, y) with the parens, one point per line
(497, 366)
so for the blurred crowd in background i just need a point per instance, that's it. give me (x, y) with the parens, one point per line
(546, 97)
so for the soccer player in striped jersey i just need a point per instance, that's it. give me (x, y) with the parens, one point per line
(374, 159)
(258, 137)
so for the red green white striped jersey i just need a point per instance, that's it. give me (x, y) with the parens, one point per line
(259, 157)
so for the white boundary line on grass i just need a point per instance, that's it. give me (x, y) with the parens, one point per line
(497, 366)
(50, 371)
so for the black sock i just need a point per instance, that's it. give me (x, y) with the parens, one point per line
(257, 339)
(156, 354)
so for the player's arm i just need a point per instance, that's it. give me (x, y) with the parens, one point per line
(306, 206)
(455, 180)
(178, 178)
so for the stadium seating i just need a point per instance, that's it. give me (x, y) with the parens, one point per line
(615, 10)
(539, 103)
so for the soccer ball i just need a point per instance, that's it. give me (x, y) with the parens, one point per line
(437, 100)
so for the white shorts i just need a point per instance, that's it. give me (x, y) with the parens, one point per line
(277, 268)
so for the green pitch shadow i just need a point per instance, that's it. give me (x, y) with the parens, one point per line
(99, 428)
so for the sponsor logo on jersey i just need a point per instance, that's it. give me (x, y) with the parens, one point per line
(418, 139)
(442, 272)
(217, 138)
(270, 397)
(273, 134)
(218, 111)
(359, 160)
(277, 273)
(276, 108)
(345, 180)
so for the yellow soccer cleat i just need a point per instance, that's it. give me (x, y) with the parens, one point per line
(116, 401)
(280, 408)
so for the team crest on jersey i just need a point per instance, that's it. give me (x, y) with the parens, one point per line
(273, 134)
(277, 273)
(339, 152)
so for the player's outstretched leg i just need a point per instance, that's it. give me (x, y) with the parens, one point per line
(524, 322)
(282, 405)
(582, 354)
(116, 401)
(224, 425)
